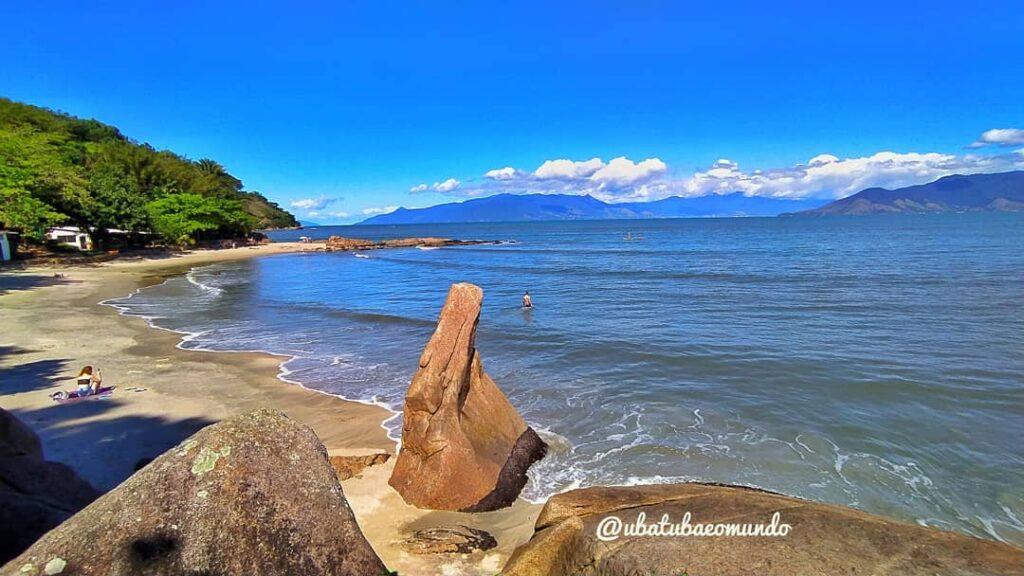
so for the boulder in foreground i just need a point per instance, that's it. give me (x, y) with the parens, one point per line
(821, 539)
(35, 495)
(17, 439)
(253, 494)
(464, 447)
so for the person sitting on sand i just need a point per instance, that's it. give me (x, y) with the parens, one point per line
(527, 302)
(89, 381)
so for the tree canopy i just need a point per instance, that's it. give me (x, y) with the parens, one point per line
(56, 169)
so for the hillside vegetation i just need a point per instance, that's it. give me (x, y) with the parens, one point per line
(56, 169)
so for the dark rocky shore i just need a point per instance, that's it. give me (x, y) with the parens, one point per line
(257, 494)
(343, 243)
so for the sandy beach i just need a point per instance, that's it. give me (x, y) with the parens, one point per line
(53, 324)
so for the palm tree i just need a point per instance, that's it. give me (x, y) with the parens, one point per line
(216, 173)
(211, 167)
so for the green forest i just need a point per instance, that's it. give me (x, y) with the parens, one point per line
(56, 169)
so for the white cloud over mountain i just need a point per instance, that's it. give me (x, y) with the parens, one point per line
(446, 186)
(506, 173)
(332, 214)
(568, 169)
(999, 137)
(824, 176)
(622, 170)
(442, 187)
(375, 211)
(314, 203)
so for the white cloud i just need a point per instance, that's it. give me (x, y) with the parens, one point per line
(824, 176)
(314, 203)
(446, 186)
(338, 214)
(418, 188)
(1000, 137)
(622, 170)
(506, 173)
(568, 168)
(822, 159)
(375, 211)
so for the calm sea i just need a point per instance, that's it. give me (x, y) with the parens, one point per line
(876, 362)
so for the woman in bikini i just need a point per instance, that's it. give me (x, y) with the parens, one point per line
(89, 381)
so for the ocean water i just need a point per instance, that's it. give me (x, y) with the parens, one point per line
(876, 362)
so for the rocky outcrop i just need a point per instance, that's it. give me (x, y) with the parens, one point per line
(464, 447)
(253, 494)
(35, 495)
(459, 539)
(346, 467)
(820, 539)
(342, 243)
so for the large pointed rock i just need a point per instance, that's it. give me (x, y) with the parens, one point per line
(253, 494)
(464, 447)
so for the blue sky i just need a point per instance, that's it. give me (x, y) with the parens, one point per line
(344, 109)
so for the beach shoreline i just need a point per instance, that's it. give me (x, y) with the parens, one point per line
(59, 318)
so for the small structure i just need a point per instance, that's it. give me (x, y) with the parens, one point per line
(70, 236)
(8, 244)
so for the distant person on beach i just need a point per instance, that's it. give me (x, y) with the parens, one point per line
(527, 302)
(89, 381)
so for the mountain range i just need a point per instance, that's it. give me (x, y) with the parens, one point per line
(537, 207)
(956, 193)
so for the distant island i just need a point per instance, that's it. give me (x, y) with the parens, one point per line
(544, 207)
(957, 193)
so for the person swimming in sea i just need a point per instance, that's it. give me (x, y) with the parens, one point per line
(527, 301)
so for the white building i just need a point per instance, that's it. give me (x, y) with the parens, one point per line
(70, 236)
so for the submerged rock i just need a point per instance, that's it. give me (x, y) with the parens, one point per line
(35, 495)
(464, 447)
(584, 533)
(253, 494)
(346, 467)
(455, 540)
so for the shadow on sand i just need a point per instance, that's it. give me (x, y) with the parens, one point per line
(13, 282)
(38, 375)
(105, 450)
